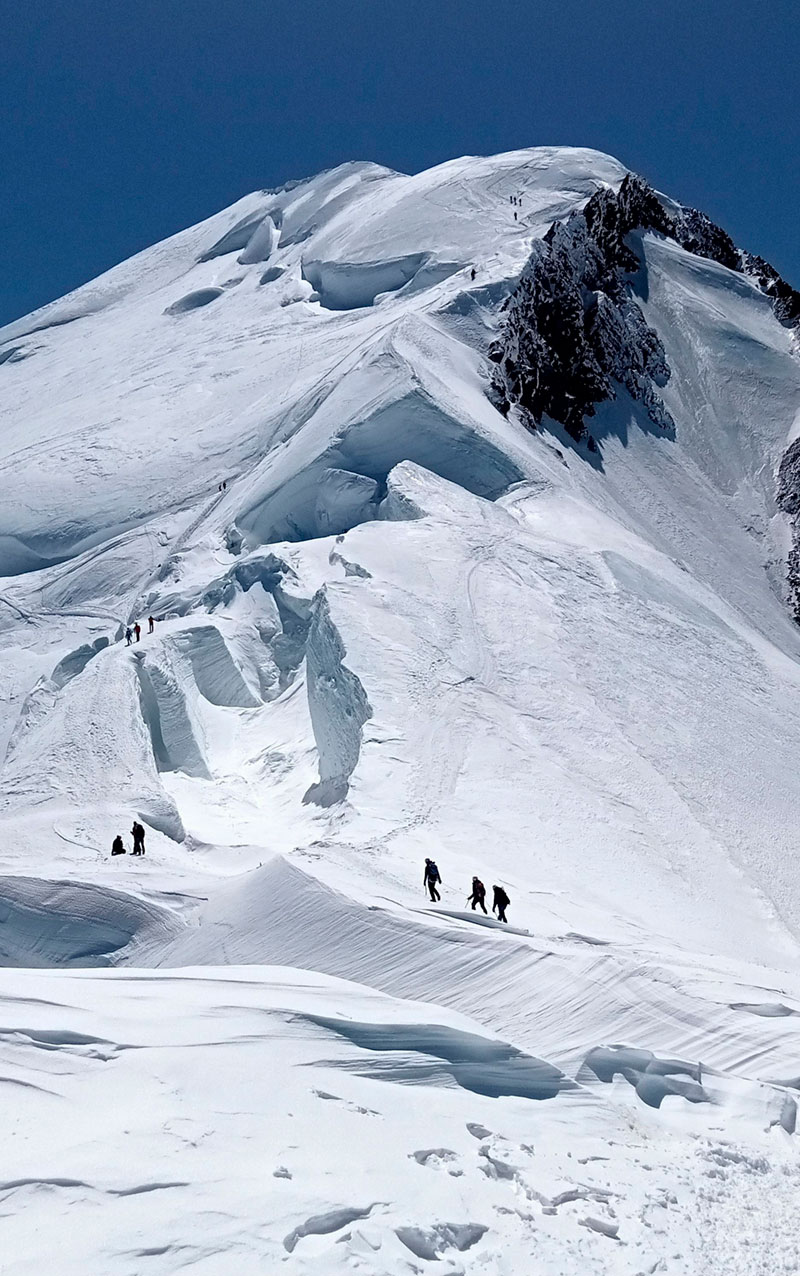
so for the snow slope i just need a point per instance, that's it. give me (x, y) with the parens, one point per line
(406, 625)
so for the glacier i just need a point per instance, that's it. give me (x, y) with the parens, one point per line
(405, 605)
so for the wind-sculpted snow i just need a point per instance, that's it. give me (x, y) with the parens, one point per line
(384, 411)
(346, 286)
(338, 705)
(175, 733)
(67, 743)
(219, 679)
(390, 622)
(344, 499)
(62, 924)
(194, 301)
(485, 1067)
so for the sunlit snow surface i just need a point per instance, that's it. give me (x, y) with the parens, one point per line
(406, 627)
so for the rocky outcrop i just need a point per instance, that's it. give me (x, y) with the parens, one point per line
(788, 495)
(785, 299)
(573, 333)
(696, 232)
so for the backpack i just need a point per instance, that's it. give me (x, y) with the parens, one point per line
(433, 873)
(478, 887)
(501, 897)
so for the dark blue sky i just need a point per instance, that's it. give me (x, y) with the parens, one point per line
(123, 122)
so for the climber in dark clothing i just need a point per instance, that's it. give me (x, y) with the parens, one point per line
(478, 895)
(151, 622)
(117, 846)
(138, 838)
(128, 636)
(431, 877)
(500, 903)
(472, 274)
(137, 629)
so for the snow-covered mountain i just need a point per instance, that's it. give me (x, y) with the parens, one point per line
(465, 507)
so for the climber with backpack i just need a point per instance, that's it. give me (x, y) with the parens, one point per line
(138, 838)
(500, 903)
(430, 879)
(118, 846)
(478, 895)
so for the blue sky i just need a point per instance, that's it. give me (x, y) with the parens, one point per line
(124, 122)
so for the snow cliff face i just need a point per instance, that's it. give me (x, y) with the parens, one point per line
(391, 621)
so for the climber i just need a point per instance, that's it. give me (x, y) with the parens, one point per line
(151, 622)
(128, 636)
(138, 838)
(137, 629)
(478, 895)
(431, 877)
(500, 903)
(472, 274)
(515, 217)
(117, 846)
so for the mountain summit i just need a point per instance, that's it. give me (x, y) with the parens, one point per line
(460, 515)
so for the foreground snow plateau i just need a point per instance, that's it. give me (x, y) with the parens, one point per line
(392, 623)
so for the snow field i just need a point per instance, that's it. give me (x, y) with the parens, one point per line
(227, 1068)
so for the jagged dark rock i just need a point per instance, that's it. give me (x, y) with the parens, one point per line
(573, 331)
(696, 232)
(785, 299)
(612, 215)
(788, 496)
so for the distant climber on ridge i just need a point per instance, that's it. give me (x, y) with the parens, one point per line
(151, 622)
(500, 903)
(128, 636)
(472, 274)
(478, 895)
(118, 846)
(138, 838)
(430, 879)
(137, 629)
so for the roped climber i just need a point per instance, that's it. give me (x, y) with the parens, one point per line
(137, 833)
(500, 903)
(478, 896)
(430, 879)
